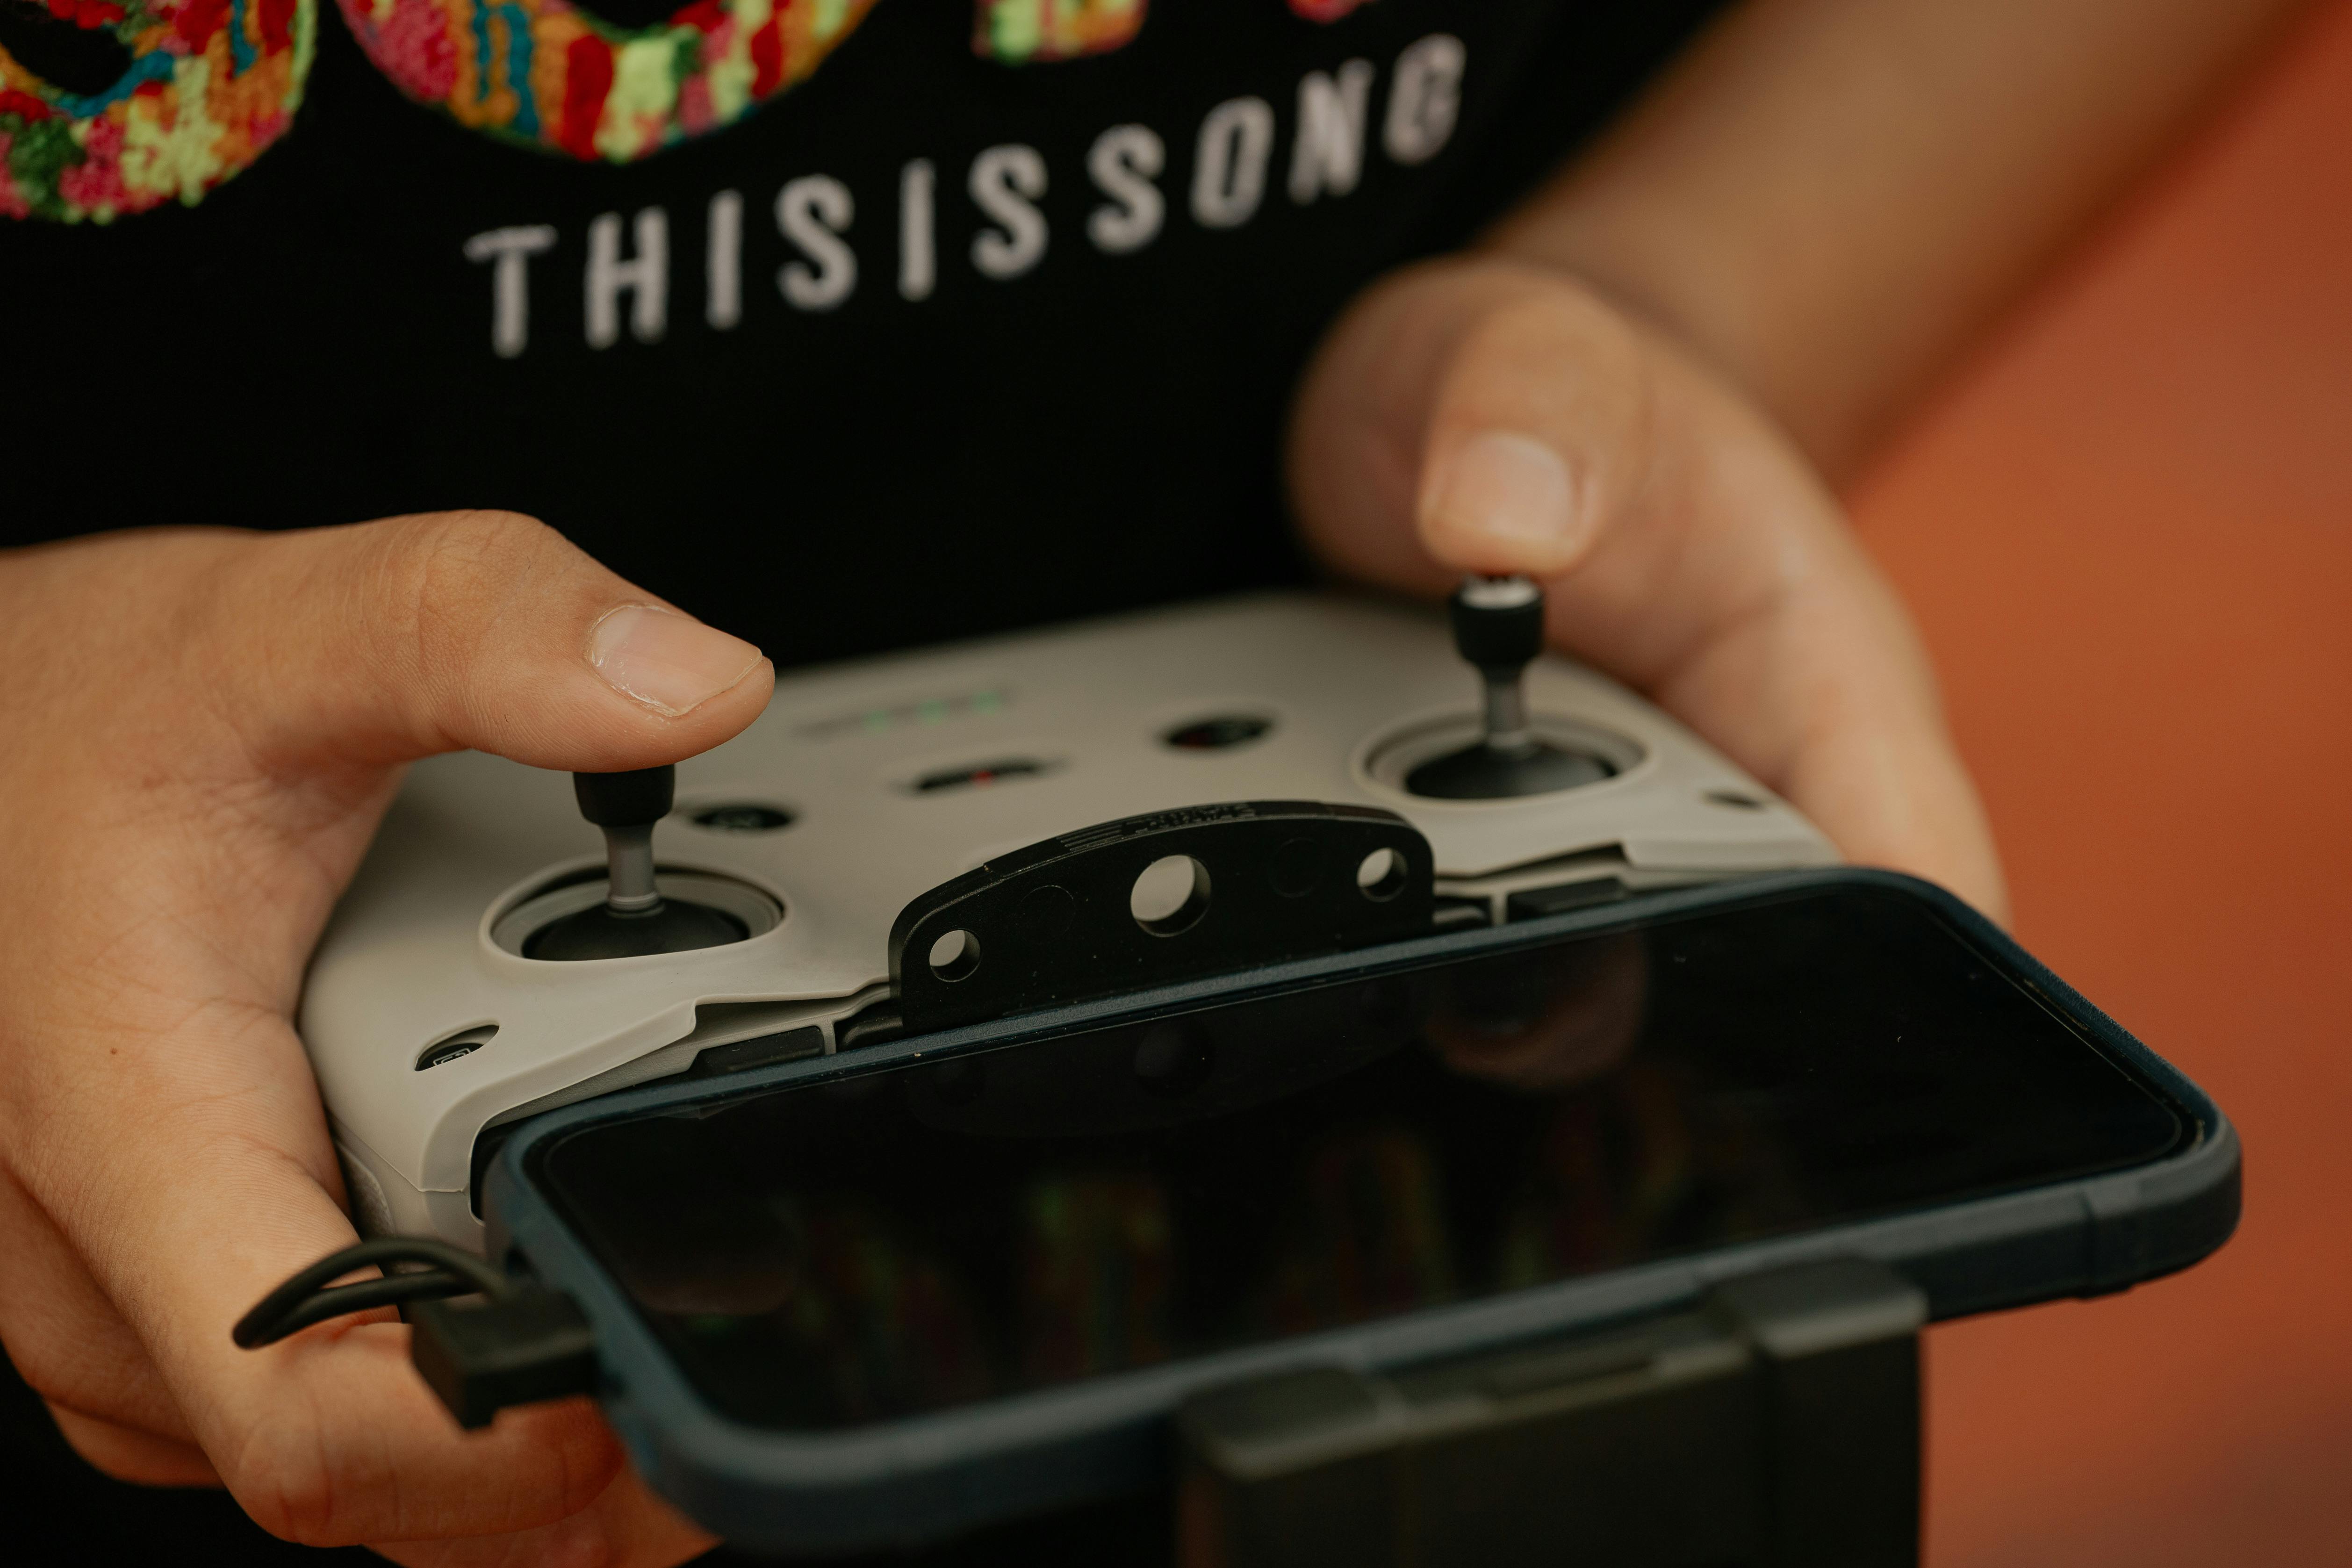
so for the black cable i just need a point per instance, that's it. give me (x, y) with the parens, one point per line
(431, 1285)
(305, 1299)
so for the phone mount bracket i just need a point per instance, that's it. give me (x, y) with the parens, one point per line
(1776, 1423)
(1055, 924)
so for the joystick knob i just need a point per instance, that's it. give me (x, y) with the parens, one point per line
(1499, 627)
(626, 806)
(634, 919)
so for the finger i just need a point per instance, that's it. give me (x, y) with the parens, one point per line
(1495, 417)
(159, 1105)
(1523, 427)
(267, 683)
(65, 1337)
(380, 642)
(202, 1182)
(175, 1133)
(1470, 421)
(625, 1527)
(128, 1455)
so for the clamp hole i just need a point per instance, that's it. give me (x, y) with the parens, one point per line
(1171, 896)
(1381, 876)
(955, 955)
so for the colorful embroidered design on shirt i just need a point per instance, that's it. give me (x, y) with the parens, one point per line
(211, 84)
(1016, 32)
(1324, 10)
(214, 82)
(549, 75)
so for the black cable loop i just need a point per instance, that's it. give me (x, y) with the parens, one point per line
(305, 1299)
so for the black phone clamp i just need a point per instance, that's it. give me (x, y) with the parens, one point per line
(1055, 922)
(1776, 1423)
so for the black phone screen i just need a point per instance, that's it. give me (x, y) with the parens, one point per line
(925, 1236)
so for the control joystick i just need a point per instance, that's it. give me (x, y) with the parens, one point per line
(1498, 626)
(634, 919)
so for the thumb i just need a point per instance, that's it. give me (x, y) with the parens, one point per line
(1482, 415)
(1482, 418)
(380, 642)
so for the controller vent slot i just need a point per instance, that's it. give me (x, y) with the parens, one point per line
(1598, 861)
(980, 775)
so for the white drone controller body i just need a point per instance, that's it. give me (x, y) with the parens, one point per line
(864, 786)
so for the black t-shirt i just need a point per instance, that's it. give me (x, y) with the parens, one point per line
(1008, 333)
(250, 278)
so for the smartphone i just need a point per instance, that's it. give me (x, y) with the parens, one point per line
(892, 1293)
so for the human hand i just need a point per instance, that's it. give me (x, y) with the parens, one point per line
(1482, 415)
(204, 729)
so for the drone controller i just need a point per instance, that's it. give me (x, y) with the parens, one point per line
(917, 841)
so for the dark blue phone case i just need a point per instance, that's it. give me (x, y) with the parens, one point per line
(918, 1478)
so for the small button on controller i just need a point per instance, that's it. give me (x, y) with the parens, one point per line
(742, 816)
(1218, 732)
(981, 774)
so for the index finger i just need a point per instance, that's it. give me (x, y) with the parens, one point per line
(194, 1173)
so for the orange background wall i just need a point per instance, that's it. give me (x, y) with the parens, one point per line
(2127, 531)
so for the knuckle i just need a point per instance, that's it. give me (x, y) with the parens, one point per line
(1579, 373)
(454, 562)
(305, 1477)
(582, 1544)
(283, 1480)
(575, 1450)
(448, 576)
(319, 1481)
(1560, 328)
